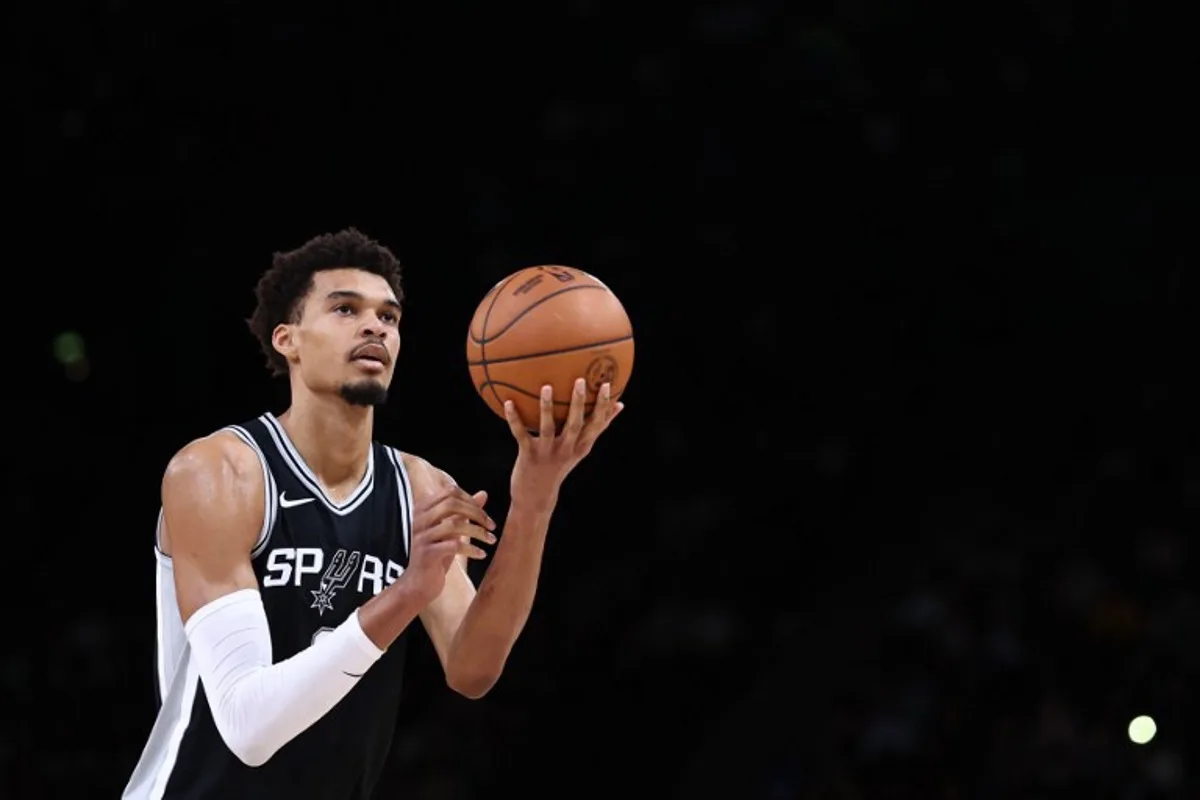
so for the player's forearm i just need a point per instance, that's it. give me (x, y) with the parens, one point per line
(385, 616)
(259, 706)
(501, 607)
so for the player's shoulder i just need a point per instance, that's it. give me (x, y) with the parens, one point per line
(213, 495)
(221, 452)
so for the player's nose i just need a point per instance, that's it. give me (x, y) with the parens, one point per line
(373, 329)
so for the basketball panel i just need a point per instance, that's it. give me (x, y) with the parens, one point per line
(474, 351)
(481, 311)
(528, 408)
(479, 379)
(596, 365)
(568, 321)
(527, 288)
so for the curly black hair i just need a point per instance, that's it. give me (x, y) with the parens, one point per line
(282, 288)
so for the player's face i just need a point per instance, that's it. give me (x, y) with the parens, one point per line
(348, 336)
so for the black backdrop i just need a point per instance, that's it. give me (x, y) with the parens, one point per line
(901, 503)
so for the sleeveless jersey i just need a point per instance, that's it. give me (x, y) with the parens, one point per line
(316, 561)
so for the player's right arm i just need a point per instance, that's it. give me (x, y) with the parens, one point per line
(213, 499)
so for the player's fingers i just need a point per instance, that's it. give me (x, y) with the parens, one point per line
(471, 551)
(480, 498)
(472, 510)
(456, 506)
(599, 424)
(465, 526)
(601, 414)
(478, 533)
(460, 546)
(474, 515)
(574, 424)
(519, 431)
(449, 550)
(455, 525)
(546, 425)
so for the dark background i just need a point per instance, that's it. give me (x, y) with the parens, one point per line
(902, 502)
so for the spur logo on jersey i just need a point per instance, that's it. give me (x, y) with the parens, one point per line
(334, 578)
(298, 566)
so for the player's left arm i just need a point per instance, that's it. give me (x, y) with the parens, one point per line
(474, 631)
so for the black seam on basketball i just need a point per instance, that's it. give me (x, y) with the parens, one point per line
(559, 351)
(490, 384)
(524, 311)
(483, 341)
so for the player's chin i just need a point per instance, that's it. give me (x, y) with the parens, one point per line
(365, 391)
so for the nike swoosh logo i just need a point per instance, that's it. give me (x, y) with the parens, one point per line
(285, 503)
(352, 675)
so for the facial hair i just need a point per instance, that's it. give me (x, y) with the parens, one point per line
(364, 393)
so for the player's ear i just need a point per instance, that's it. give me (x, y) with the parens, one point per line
(284, 341)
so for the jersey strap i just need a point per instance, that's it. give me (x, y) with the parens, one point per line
(405, 496)
(271, 494)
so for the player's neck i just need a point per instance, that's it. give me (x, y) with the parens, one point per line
(333, 437)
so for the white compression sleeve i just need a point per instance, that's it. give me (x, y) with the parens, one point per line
(259, 706)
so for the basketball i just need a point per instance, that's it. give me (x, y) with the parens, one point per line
(548, 325)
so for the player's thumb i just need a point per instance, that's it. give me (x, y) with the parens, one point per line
(480, 498)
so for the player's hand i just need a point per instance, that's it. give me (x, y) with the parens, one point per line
(445, 527)
(544, 460)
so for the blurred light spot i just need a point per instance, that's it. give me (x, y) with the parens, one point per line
(1142, 730)
(68, 347)
(71, 354)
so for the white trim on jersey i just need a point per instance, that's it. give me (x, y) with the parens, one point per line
(157, 762)
(191, 681)
(270, 497)
(404, 489)
(306, 476)
(160, 655)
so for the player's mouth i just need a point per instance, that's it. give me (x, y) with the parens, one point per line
(371, 356)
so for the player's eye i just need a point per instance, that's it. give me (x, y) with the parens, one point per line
(343, 309)
(389, 317)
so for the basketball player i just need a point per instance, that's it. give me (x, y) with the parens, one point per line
(294, 552)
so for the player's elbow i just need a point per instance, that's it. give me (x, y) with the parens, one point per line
(253, 756)
(472, 685)
(251, 752)
(245, 735)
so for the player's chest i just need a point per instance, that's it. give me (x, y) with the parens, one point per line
(322, 559)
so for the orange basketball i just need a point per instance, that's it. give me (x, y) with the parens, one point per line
(548, 325)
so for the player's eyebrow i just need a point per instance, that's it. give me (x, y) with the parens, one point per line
(346, 294)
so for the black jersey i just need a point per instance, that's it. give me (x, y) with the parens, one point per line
(316, 562)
